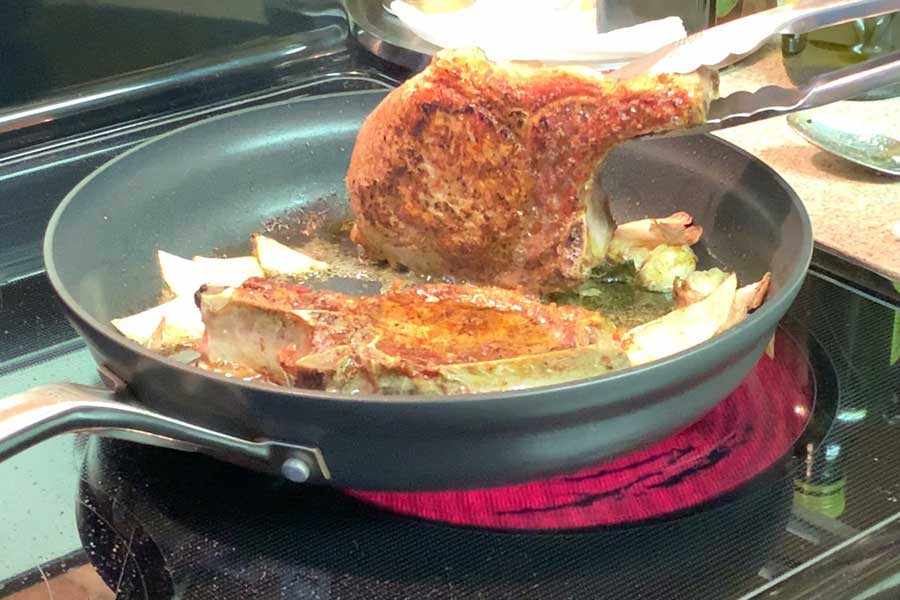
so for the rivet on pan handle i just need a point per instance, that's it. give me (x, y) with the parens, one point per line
(35, 415)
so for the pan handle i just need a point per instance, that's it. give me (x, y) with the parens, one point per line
(32, 416)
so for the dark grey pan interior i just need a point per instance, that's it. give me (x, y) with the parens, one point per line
(209, 186)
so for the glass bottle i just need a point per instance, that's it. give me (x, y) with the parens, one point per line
(820, 486)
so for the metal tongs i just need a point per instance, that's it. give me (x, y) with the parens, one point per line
(725, 44)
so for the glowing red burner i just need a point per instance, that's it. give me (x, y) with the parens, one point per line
(736, 441)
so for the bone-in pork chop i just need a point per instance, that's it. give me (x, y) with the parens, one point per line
(486, 171)
(439, 338)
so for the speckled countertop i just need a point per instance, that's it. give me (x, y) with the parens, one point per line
(855, 212)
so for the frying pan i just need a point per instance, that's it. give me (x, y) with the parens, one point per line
(210, 185)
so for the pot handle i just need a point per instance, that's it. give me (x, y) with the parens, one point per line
(32, 416)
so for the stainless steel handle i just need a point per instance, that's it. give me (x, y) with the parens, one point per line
(32, 416)
(725, 44)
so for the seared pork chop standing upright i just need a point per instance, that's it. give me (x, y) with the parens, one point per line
(487, 171)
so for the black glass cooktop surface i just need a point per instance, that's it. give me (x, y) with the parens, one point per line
(714, 512)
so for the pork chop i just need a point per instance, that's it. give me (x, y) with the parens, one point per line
(431, 339)
(486, 171)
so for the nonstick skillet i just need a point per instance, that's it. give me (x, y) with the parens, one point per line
(208, 186)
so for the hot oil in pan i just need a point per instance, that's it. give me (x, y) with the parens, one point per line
(612, 291)
(321, 229)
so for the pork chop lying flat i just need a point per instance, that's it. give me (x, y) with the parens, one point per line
(486, 171)
(433, 339)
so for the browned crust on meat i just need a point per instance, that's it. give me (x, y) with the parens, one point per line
(452, 324)
(418, 330)
(474, 169)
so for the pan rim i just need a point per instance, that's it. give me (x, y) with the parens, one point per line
(773, 306)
